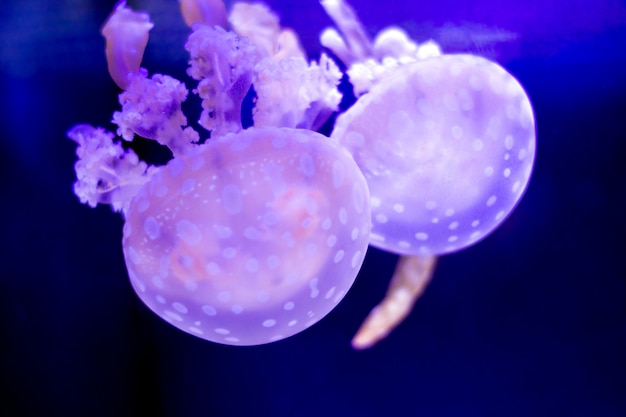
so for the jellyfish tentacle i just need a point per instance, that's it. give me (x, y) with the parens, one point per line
(126, 34)
(355, 38)
(207, 12)
(224, 65)
(369, 62)
(151, 108)
(290, 92)
(105, 172)
(412, 275)
(262, 26)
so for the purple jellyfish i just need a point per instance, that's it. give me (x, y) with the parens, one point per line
(253, 238)
(258, 233)
(446, 144)
(255, 235)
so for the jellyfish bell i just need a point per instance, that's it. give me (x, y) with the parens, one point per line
(447, 146)
(251, 239)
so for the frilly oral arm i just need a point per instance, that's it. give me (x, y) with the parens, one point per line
(355, 39)
(368, 62)
(224, 65)
(290, 91)
(207, 12)
(259, 24)
(152, 108)
(106, 173)
(412, 275)
(126, 34)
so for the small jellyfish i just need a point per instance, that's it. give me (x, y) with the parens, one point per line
(253, 238)
(447, 146)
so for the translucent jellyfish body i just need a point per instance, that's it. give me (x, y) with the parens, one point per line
(253, 238)
(447, 146)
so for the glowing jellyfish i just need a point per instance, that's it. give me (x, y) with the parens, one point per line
(253, 238)
(257, 234)
(446, 143)
(447, 146)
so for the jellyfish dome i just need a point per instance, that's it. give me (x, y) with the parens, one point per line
(447, 146)
(251, 239)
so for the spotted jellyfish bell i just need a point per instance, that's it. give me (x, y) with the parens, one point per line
(253, 238)
(447, 146)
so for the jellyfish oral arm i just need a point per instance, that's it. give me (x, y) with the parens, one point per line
(409, 281)
(151, 108)
(208, 12)
(106, 173)
(223, 63)
(354, 35)
(369, 62)
(126, 34)
(290, 91)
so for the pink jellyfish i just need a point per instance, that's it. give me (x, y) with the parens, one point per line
(253, 236)
(447, 147)
(259, 233)
(446, 144)
(252, 239)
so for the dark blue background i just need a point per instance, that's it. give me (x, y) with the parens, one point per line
(530, 322)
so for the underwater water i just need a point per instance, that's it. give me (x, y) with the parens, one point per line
(530, 321)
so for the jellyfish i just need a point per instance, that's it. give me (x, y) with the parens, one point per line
(249, 236)
(253, 238)
(447, 147)
(446, 144)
